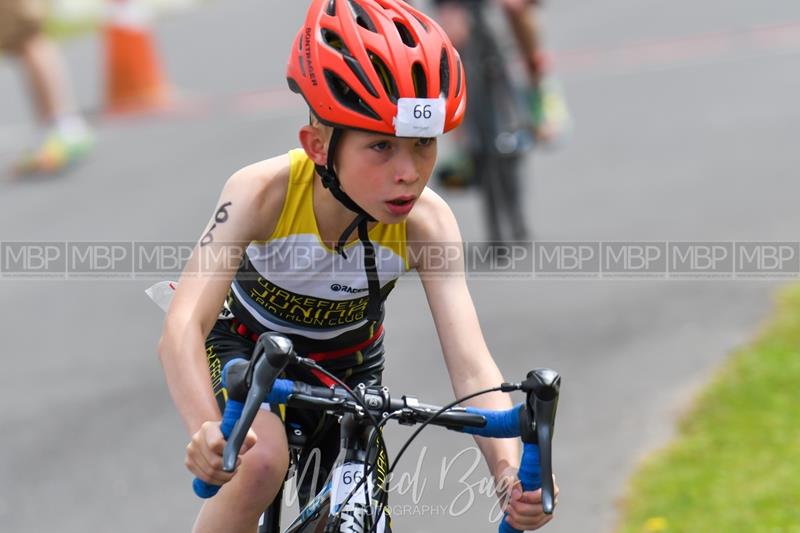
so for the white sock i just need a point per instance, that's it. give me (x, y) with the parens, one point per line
(71, 126)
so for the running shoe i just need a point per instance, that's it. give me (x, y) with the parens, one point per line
(57, 153)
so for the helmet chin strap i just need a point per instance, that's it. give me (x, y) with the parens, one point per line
(331, 182)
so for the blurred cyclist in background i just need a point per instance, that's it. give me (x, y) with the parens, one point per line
(548, 112)
(510, 110)
(66, 138)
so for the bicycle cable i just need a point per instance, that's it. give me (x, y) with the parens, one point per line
(504, 387)
(501, 388)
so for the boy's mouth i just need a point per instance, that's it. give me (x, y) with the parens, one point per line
(402, 200)
(401, 205)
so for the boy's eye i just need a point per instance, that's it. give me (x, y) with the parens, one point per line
(426, 141)
(380, 146)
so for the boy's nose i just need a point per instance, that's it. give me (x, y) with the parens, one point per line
(406, 170)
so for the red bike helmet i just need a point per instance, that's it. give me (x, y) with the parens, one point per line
(355, 61)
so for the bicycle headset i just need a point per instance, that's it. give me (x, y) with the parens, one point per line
(379, 66)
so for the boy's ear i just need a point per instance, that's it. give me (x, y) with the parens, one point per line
(314, 142)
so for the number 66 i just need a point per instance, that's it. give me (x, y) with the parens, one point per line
(422, 111)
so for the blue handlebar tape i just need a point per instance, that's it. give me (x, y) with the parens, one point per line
(233, 410)
(229, 364)
(505, 424)
(530, 475)
(499, 424)
(281, 390)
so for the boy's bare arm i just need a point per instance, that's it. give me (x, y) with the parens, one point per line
(249, 203)
(468, 360)
(469, 363)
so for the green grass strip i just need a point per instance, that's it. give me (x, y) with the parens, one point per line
(735, 466)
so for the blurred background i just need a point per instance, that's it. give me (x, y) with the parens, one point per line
(685, 129)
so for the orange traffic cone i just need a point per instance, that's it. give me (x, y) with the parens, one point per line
(134, 79)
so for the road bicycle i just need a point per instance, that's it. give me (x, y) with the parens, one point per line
(355, 497)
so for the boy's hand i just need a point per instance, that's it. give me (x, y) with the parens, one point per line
(204, 453)
(524, 509)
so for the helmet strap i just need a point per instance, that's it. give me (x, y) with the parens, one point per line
(331, 182)
(371, 270)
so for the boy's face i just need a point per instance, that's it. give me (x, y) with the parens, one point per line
(383, 174)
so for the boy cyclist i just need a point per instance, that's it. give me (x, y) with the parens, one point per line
(382, 81)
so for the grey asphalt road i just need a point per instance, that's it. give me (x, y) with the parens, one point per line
(686, 130)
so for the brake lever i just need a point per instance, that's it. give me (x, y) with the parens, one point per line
(542, 387)
(272, 353)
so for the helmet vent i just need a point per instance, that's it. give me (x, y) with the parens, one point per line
(444, 73)
(385, 75)
(331, 9)
(421, 23)
(420, 81)
(333, 40)
(362, 18)
(458, 78)
(405, 34)
(360, 74)
(294, 86)
(346, 96)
